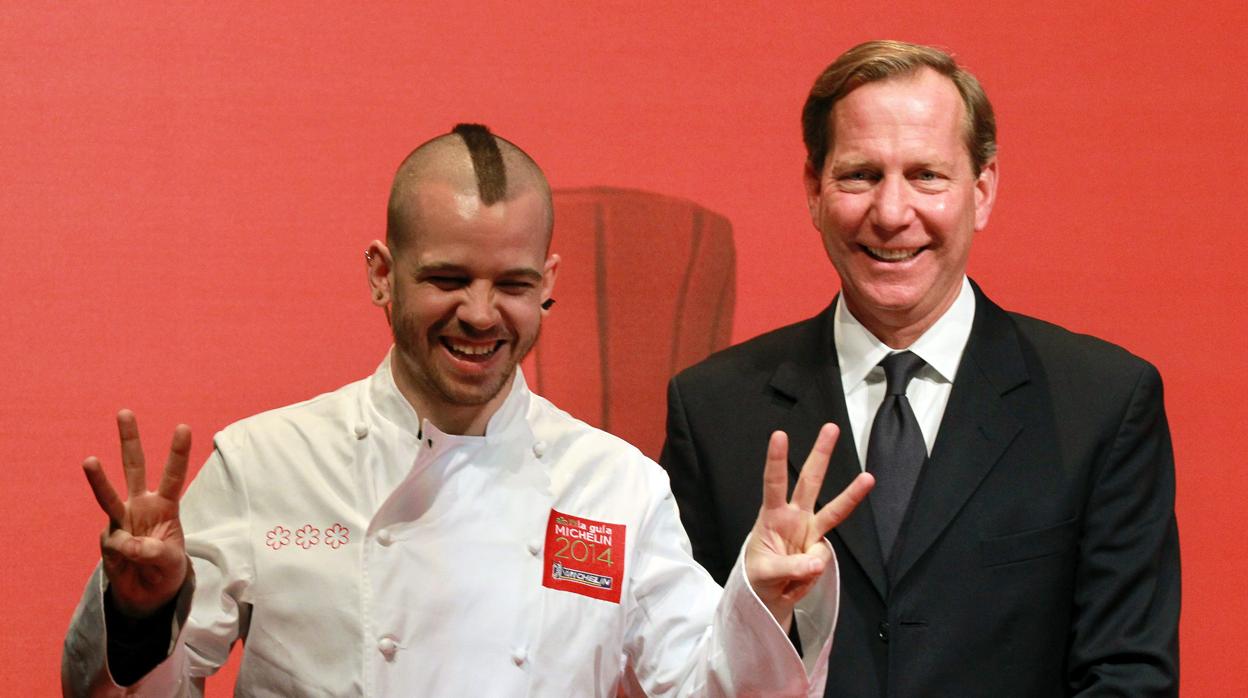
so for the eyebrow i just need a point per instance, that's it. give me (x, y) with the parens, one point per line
(835, 166)
(448, 268)
(855, 164)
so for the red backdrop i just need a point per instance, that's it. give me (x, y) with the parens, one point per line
(186, 191)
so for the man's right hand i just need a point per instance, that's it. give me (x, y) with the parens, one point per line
(143, 549)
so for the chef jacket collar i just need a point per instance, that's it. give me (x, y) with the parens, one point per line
(390, 404)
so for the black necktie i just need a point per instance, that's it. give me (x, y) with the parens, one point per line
(896, 451)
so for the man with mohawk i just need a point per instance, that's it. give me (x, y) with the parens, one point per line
(437, 529)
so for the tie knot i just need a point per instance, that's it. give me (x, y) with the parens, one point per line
(899, 368)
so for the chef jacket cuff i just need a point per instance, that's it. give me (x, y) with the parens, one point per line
(815, 617)
(169, 677)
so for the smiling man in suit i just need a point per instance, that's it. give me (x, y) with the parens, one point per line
(1021, 539)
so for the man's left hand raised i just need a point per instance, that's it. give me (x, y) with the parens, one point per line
(786, 552)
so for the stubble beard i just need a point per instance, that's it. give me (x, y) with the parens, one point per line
(433, 383)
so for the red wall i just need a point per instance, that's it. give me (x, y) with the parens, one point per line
(185, 195)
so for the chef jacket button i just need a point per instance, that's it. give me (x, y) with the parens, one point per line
(361, 430)
(519, 656)
(883, 631)
(534, 547)
(539, 448)
(384, 537)
(387, 646)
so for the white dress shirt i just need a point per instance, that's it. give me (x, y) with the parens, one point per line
(858, 352)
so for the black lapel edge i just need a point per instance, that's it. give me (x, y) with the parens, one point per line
(975, 431)
(813, 381)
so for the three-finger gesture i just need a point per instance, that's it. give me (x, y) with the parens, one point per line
(142, 549)
(786, 553)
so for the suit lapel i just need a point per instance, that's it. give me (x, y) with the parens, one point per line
(813, 381)
(975, 430)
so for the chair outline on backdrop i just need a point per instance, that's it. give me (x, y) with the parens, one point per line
(647, 286)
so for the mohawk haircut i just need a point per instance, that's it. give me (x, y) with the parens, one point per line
(487, 161)
(440, 159)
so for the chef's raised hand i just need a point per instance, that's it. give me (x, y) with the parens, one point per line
(142, 549)
(786, 553)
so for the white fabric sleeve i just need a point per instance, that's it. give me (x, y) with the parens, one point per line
(206, 622)
(686, 637)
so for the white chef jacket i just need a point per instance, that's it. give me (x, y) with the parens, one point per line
(345, 584)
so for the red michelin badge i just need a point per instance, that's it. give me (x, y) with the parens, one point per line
(584, 557)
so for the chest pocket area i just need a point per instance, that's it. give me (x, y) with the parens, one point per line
(581, 635)
(1030, 545)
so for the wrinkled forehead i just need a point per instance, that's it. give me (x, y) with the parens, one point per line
(923, 105)
(446, 214)
(452, 202)
(446, 198)
(920, 89)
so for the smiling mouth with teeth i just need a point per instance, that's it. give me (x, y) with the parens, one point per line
(887, 255)
(471, 352)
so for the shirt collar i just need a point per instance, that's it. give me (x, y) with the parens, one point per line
(941, 346)
(392, 406)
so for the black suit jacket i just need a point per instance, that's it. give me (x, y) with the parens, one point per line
(1040, 557)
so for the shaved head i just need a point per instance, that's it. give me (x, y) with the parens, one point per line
(470, 161)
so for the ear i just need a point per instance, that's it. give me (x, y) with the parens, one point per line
(380, 272)
(549, 272)
(985, 193)
(814, 187)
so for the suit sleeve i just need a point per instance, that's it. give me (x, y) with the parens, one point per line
(1124, 639)
(207, 616)
(691, 485)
